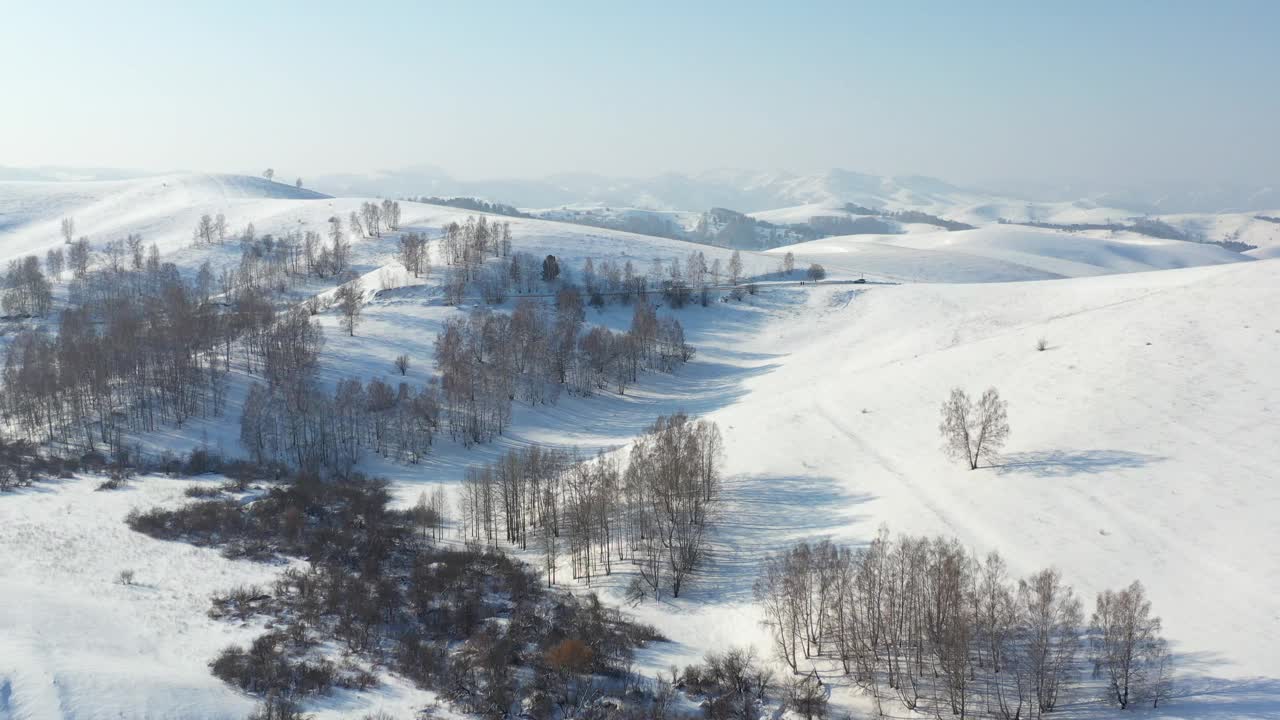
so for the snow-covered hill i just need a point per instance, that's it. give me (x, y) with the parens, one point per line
(164, 209)
(1142, 446)
(999, 253)
(1142, 440)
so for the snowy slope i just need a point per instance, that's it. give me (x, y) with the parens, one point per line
(999, 253)
(31, 212)
(1142, 446)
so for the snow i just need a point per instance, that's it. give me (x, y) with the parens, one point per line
(1143, 442)
(999, 253)
(1143, 447)
(76, 643)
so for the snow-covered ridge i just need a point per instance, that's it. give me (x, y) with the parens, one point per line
(1000, 253)
(31, 212)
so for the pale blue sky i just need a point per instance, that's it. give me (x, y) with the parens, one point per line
(1120, 90)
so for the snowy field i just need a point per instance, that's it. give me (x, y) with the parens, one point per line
(1143, 441)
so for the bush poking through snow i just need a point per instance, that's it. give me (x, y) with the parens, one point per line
(241, 602)
(807, 697)
(278, 707)
(1042, 344)
(125, 577)
(455, 621)
(733, 682)
(203, 492)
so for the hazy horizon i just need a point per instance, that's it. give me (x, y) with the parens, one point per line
(1079, 92)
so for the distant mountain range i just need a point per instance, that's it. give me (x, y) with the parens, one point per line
(752, 191)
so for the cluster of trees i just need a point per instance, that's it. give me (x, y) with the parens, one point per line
(652, 511)
(290, 418)
(470, 203)
(947, 632)
(391, 597)
(26, 290)
(372, 217)
(465, 246)
(210, 229)
(414, 253)
(843, 225)
(730, 228)
(486, 360)
(916, 216)
(1149, 226)
(311, 429)
(133, 349)
(678, 282)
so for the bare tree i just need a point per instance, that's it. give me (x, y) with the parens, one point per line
(1127, 646)
(78, 258)
(413, 252)
(1053, 618)
(974, 433)
(134, 242)
(391, 214)
(371, 213)
(402, 364)
(735, 268)
(350, 302)
(269, 174)
(816, 272)
(26, 290)
(298, 183)
(68, 229)
(54, 260)
(789, 262)
(205, 232)
(550, 269)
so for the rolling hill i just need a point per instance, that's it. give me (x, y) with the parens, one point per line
(1141, 448)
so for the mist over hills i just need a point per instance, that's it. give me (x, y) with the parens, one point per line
(747, 191)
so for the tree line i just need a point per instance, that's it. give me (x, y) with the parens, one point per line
(947, 632)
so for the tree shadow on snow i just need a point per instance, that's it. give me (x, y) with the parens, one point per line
(1065, 463)
(763, 514)
(1197, 692)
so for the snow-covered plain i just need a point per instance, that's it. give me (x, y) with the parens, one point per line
(1143, 446)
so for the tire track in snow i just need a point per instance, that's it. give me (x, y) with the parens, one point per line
(921, 497)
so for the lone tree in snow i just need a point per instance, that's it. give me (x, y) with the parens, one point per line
(269, 174)
(550, 269)
(789, 263)
(402, 364)
(974, 432)
(735, 268)
(350, 302)
(68, 229)
(298, 183)
(816, 272)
